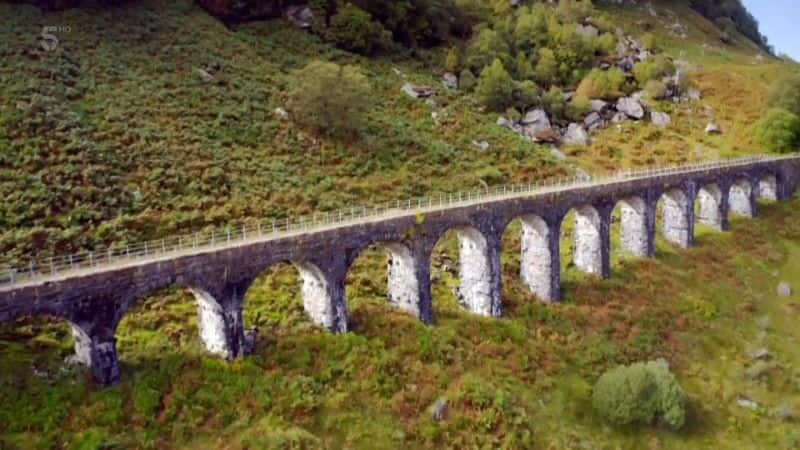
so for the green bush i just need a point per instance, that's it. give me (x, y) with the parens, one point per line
(453, 61)
(547, 67)
(526, 93)
(495, 87)
(640, 393)
(353, 29)
(602, 84)
(486, 47)
(330, 98)
(655, 89)
(653, 68)
(786, 94)
(778, 130)
(577, 108)
(553, 102)
(466, 80)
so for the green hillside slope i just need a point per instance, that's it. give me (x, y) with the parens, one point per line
(117, 135)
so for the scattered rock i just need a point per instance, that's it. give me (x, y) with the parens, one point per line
(631, 106)
(761, 353)
(250, 340)
(598, 106)
(432, 103)
(281, 113)
(557, 154)
(439, 409)
(575, 135)
(414, 91)
(663, 362)
(593, 121)
(536, 125)
(784, 289)
(713, 128)
(746, 402)
(582, 175)
(481, 144)
(535, 116)
(450, 80)
(660, 119)
(301, 16)
(619, 117)
(693, 94)
(204, 76)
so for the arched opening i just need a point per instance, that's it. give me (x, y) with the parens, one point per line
(536, 269)
(38, 349)
(289, 296)
(473, 283)
(629, 222)
(675, 223)
(709, 206)
(173, 320)
(384, 272)
(586, 243)
(739, 197)
(768, 188)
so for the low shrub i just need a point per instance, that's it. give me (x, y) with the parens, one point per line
(778, 130)
(330, 98)
(602, 84)
(653, 68)
(785, 94)
(640, 393)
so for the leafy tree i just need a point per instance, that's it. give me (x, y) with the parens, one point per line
(353, 29)
(466, 80)
(553, 101)
(530, 31)
(640, 393)
(526, 93)
(523, 67)
(495, 87)
(778, 130)
(655, 89)
(602, 83)
(547, 67)
(330, 98)
(487, 46)
(452, 62)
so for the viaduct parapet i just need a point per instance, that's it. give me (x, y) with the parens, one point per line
(95, 297)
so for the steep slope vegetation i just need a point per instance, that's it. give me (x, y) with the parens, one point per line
(117, 136)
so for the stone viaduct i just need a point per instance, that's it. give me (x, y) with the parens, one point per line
(94, 300)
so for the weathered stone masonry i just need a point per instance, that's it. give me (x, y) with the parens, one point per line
(95, 301)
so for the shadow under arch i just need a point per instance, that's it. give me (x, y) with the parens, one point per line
(739, 197)
(708, 209)
(629, 228)
(582, 241)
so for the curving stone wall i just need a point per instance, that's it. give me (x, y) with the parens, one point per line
(709, 212)
(587, 244)
(317, 296)
(211, 318)
(536, 260)
(475, 272)
(739, 198)
(768, 188)
(675, 225)
(403, 286)
(633, 226)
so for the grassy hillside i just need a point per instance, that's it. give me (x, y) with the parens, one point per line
(114, 137)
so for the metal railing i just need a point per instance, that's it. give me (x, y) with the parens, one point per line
(73, 264)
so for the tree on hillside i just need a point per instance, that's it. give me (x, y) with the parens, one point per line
(495, 87)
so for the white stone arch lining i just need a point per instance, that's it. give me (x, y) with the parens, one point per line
(739, 196)
(768, 187)
(536, 269)
(675, 222)
(634, 236)
(402, 284)
(587, 246)
(475, 270)
(709, 205)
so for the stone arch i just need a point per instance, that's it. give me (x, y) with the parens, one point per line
(478, 271)
(214, 330)
(709, 206)
(768, 187)
(402, 279)
(740, 197)
(587, 244)
(318, 297)
(676, 226)
(537, 268)
(634, 235)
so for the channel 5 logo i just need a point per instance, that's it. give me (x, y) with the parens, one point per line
(49, 39)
